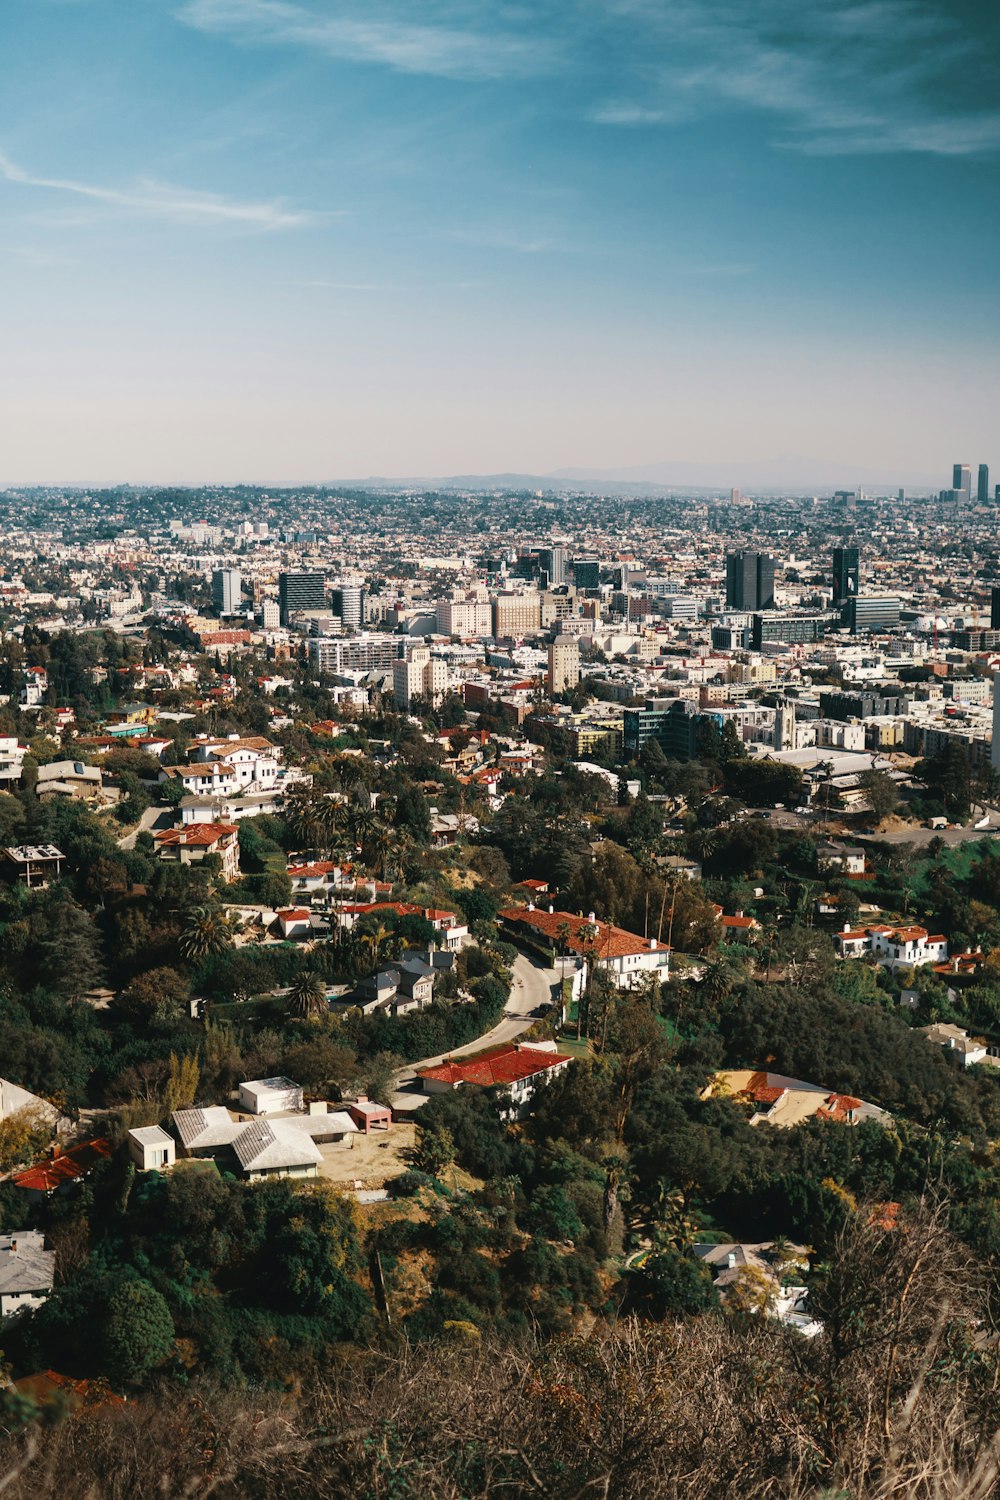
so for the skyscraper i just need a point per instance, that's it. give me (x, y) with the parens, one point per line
(348, 601)
(845, 575)
(961, 481)
(983, 487)
(995, 607)
(749, 580)
(300, 594)
(226, 590)
(552, 560)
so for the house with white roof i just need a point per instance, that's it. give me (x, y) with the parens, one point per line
(151, 1148)
(269, 1096)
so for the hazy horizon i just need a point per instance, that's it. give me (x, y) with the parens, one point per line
(252, 238)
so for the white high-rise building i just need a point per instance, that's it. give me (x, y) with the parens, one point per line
(995, 748)
(227, 585)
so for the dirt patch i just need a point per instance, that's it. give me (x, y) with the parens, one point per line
(371, 1160)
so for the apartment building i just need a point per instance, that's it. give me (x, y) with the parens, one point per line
(419, 676)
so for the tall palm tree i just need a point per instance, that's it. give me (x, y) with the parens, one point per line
(307, 996)
(373, 941)
(206, 931)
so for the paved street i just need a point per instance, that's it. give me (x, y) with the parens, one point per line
(531, 988)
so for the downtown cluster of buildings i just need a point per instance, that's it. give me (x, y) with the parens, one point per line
(842, 623)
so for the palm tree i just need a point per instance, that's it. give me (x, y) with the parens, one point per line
(307, 996)
(373, 941)
(302, 816)
(207, 931)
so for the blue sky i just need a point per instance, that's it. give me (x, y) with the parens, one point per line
(309, 239)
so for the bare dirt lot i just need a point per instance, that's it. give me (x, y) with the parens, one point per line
(371, 1160)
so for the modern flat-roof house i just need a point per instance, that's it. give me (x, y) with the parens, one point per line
(368, 1115)
(34, 865)
(151, 1148)
(269, 1096)
(27, 1271)
(196, 841)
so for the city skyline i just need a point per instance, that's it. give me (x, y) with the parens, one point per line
(297, 242)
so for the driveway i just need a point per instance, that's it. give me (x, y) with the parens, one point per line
(531, 988)
(147, 823)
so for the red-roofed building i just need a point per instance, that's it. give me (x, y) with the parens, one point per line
(63, 1168)
(517, 1070)
(446, 923)
(196, 841)
(623, 954)
(895, 947)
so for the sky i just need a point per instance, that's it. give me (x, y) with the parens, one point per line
(308, 240)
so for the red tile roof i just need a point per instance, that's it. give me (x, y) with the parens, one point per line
(496, 1067)
(68, 1166)
(610, 942)
(839, 1106)
(195, 835)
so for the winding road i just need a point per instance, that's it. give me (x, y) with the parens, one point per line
(531, 988)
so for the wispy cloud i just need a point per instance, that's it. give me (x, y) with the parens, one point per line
(627, 114)
(163, 201)
(347, 286)
(845, 78)
(490, 239)
(455, 46)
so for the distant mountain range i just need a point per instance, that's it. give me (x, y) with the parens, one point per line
(786, 475)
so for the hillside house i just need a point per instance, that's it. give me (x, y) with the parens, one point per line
(518, 1071)
(622, 954)
(27, 1272)
(895, 947)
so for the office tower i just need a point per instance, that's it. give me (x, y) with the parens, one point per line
(983, 487)
(735, 498)
(901, 496)
(846, 498)
(587, 574)
(995, 747)
(270, 614)
(995, 607)
(863, 615)
(961, 481)
(564, 665)
(552, 560)
(749, 580)
(301, 594)
(845, 575)
(348, 601)
(226, 591)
